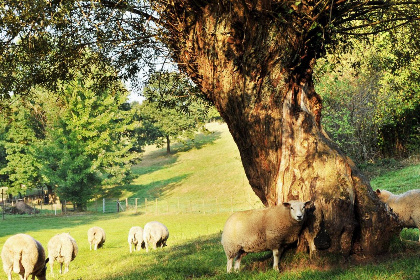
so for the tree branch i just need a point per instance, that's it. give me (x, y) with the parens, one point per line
(122, 6)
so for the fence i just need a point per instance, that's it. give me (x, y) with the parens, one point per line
(147, 206)
(175, 205)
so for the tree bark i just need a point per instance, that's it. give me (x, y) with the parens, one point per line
(257, 71)
(168, 145)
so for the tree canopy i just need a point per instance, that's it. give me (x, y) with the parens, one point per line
(173, 110)
(44, 39)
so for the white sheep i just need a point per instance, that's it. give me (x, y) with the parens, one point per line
(96, 237)
(259, 230)
(63, 249)
(155, 233)
(405, 205)
(24, 255)
(135, 237)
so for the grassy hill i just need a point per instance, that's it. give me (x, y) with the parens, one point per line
(205, 174)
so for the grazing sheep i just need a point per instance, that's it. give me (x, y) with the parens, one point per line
(259, 230)
(135, 237)
(405, 205)
(63, 249)
(96, 237)
(156, 233)
(24, 255)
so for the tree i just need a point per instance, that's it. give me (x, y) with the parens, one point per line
(88, 142)
(172, 110)
(20, 168)
(254, 61)
(371, 96)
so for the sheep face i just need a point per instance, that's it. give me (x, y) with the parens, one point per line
(297, 209)
(383, 195)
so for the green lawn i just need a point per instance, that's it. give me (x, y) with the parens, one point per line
(205, 169)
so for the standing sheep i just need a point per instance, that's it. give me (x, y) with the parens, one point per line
(156, 233)
(135, 237)
(96, 237)
(24, 255)
(261, 230)
(405, 205)
(63, 249)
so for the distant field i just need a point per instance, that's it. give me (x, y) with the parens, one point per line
(204, 170)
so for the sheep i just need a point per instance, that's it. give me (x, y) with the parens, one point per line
(24, 255)
(271, 228)
(63, 249)
(96, 237)
(135, 237)
(155, 232)
(405, 205)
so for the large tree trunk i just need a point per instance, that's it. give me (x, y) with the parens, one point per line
(258, 72)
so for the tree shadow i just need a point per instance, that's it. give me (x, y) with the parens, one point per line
(201, 140)
(152, 190)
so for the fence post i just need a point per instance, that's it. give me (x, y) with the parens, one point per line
(103, 205)
(136, 205)
(65, 206)
(145, 204)
(118, 205)
(2, 199)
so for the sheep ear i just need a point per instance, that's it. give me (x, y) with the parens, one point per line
(47, 260)
(307, 203)
(286, 204)
(378, 191)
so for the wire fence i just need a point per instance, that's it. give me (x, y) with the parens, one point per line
(136, 205)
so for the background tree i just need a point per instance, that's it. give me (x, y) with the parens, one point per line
(371, 97)
(88, 142)
(20, 165)
(172, 110)
(254, 60)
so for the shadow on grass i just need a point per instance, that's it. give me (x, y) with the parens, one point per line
(25, 223)
(152, 190)
(159, 159)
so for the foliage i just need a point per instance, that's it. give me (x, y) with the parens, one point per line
(88, 143)
(47, 38)
(371, 98)
(172, 110)
(19, 167)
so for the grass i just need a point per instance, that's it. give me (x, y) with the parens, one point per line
(206, 168)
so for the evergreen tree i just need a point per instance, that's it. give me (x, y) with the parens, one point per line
(19, 164)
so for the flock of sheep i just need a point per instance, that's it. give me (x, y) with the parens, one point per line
(25, 256)
(271, 228)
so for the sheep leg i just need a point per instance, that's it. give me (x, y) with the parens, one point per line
(90, 246)
(52, 266)
(95, 247)
(229, 264)
(61, 268)
(276, 256)
(8, 271)
(66, 269)
(238, 259)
